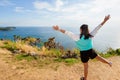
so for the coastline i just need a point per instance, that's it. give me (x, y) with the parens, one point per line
(46, 32)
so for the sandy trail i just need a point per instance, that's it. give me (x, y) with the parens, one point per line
(97, 70)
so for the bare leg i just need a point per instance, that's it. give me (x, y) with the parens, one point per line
(85, 70)
(103, 60)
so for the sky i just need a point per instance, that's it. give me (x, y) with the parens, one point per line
(68, 13)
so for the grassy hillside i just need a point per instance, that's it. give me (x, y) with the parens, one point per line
(22, 50)
(21, 60)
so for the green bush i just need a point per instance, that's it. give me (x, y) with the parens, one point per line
(110, 52)
(54, 53)
(118, 51)
(71, 60)
(24, 57)
(10, 45)
(68, 61)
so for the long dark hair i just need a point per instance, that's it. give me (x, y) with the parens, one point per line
(85, 31)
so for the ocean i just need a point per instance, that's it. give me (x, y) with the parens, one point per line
(102, 41)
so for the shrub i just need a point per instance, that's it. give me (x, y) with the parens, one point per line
(54, 53)
(10, 45)
(68, 61)
(118, 51)
(24, 57)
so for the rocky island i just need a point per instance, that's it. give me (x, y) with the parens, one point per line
(7, 28)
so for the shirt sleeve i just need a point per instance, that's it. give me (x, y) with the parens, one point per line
(93, 33)
(72, 35)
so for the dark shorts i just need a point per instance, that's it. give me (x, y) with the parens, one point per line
(86, 55)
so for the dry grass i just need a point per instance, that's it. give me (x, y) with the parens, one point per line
(24, 70)
(45, 68)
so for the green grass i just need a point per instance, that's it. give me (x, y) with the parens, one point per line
(118, 51)
(68, 61)
(24, 57)
(107, 55)
(54, 53)
(53, 56)
(71, 61)
(111, 52)
(10, 45)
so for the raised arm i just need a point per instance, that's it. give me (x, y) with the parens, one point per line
(70, 34)
(105, 19)
(100, 25)
(57, 28)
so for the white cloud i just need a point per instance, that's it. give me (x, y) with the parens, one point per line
(41, 5)
(63, 12)
(5, 3)
(104, 5)
(59, 4)
(50, 7)
(94, 6)
(77, 12)
(21, 9)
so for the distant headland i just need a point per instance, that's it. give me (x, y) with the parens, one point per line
(7, 28)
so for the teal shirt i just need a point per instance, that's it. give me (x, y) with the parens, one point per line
(84, 44)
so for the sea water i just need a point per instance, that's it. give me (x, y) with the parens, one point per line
(102, 40)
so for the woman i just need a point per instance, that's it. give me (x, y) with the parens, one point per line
(84, 44)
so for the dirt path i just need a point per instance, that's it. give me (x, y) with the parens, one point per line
(97, 70)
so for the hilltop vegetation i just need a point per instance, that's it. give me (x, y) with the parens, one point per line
(50, 61)
(29, 48)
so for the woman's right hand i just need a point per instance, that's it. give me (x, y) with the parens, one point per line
(56, 27)
(107, 18)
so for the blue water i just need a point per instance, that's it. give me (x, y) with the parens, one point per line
(101, 43)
